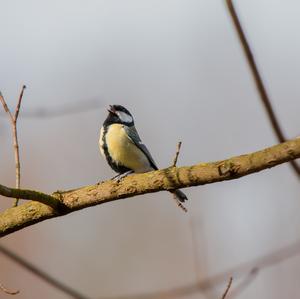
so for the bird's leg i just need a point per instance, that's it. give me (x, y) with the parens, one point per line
(121, 176)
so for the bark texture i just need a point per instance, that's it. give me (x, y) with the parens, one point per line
(44, 206)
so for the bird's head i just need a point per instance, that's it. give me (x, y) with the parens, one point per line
(119, 114)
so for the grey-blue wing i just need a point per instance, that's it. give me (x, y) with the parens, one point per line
(135, 138)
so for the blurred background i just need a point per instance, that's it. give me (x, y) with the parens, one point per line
(178, 67)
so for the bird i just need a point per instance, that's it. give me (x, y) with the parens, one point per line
(123, 149)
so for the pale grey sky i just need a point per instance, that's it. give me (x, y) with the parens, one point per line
(178, 67)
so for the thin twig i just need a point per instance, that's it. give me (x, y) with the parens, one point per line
(7, 291)
(177, 153)
(179, 204)
(41, 274)
(5, 106)
(227, 289)
(258, 80)
(19, 102)
(17, 159)
(244, 284)
(13, 120)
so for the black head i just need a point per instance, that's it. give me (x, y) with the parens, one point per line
(119, 115)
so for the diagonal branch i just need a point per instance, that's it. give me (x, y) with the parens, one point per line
(41, 274)
(252, 266)
(250, 269)
(5, 107)
(63, 202)
(258, 80)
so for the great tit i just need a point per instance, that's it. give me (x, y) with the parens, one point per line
(122, 147)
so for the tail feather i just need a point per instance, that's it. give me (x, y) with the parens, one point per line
(180, 195)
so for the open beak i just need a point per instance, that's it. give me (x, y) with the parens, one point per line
(111, 109)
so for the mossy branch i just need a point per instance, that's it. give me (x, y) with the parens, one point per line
(46, 206)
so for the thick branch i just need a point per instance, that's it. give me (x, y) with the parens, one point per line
(166, 179)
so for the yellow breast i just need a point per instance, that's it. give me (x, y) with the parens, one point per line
(123, 151)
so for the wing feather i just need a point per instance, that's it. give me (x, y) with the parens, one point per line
(135, 138)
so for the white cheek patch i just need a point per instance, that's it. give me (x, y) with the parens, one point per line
(124, 117)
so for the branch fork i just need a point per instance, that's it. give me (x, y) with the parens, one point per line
(13, 120)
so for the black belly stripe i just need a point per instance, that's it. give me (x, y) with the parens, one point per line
(119, 168)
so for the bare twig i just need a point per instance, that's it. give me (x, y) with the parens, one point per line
(179, 204)
(258, 80)
(244, 284)
(5, 106)
(7, 291)
(227, 289)
(177, 153)
(41, 274)
(19, 103)
(13, 120)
